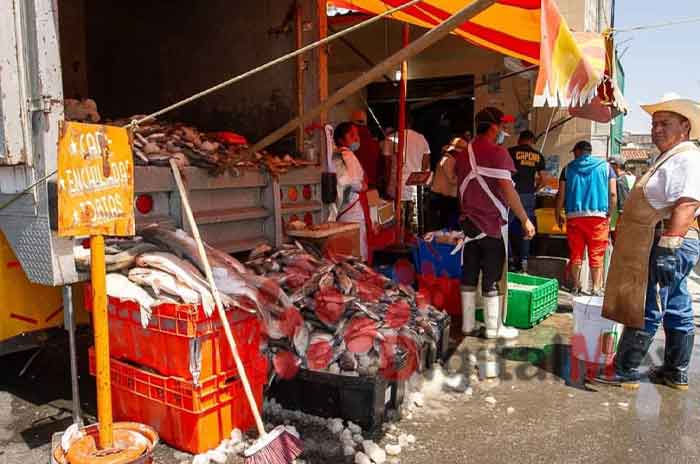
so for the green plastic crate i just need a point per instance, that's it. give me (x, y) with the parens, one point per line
(527, 308)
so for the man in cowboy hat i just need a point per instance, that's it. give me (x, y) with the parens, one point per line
(656, 248)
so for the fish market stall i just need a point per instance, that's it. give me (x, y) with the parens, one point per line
(334, 325)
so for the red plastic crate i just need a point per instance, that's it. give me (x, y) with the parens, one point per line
(183, 332)
(444, 292)
(189, 417)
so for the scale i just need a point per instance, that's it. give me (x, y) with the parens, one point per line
(421, 180)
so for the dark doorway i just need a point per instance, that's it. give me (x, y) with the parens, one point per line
(440, 108)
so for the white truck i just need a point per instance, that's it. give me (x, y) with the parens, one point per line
(129, 56)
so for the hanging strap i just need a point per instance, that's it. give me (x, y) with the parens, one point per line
(479, 172)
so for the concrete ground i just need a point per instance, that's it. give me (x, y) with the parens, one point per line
(538, 411)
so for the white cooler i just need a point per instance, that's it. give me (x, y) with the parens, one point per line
(599, 335)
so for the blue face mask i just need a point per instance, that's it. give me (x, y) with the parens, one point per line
(354, 146)
(501, 137)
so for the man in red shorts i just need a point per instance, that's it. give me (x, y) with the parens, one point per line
(587, 192)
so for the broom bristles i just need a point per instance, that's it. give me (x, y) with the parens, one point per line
(277, 447)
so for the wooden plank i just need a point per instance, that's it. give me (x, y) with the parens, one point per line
(159, 179)
(301, 207)
(230, 215)
(236, 246)
(302, 175)
(329, 229)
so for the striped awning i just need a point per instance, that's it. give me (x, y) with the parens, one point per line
(573, 69)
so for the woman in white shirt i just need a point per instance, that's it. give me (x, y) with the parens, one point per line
(352, 185)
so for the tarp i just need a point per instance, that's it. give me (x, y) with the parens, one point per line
(573, 67)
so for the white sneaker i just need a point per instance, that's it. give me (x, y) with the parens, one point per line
(493, 319)
(468, 312)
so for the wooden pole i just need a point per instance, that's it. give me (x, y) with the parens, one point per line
(184, 197)
(101, 327)
(425, 41)
(401, 148)
(300, 74)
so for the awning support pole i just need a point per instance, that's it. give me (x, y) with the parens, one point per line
(401, 149)
(425, 41)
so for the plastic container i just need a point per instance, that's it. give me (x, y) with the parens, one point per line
(527, 308)
(444, 292)
(362, 400)
(435, 258)
(189, 417)
(546, 222)
(595, 338)
(180, 340)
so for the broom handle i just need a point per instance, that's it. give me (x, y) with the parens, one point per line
(217, 298)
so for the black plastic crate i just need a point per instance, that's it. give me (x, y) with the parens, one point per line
(443, 345)
(363, 400)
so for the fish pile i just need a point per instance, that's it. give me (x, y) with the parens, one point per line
(347, 318)
(157, 142)
(164, 266)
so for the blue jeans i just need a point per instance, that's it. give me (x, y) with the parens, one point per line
(519, 247)
(676, 310)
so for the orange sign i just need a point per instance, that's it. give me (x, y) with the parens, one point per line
(95, 181)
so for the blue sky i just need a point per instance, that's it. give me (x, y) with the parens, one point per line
(658, 60)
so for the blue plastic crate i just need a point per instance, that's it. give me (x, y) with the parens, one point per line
(436, 259)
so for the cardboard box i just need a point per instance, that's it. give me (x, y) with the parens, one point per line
(385, 212)
(373, 198)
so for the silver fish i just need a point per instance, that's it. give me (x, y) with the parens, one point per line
(119, 286)
(171, 264)
(344, 282)
(161, 281)
(114, 262)
(301, 338)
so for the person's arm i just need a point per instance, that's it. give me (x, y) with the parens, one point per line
(682, 217)
(561, 197)
(513, 201)
(354, 174)
(665, 261)
(612, 200)
(425, 162)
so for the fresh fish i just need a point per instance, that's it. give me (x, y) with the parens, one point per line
(121, 287)
(344, 282)
(348, 361)
(301, 338)
(161, 281)
(171, 264)
(114, 262)
(327, 281)
(260, 250)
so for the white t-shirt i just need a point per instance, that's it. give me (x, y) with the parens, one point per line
(416, 147)
(677, 178)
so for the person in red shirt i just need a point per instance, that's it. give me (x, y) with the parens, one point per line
(486, 191)
(369, 154)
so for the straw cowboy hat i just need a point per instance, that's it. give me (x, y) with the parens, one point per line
(673, 103)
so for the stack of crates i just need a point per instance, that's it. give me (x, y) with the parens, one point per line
(178, 374)
(439, 274)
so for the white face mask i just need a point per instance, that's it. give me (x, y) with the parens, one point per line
(501, 137)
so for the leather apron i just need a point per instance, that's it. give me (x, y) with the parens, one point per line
(478, 173)
(628, 275)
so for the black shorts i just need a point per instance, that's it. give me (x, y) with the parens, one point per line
(486, 257)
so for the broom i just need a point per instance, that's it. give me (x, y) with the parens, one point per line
(279, 446)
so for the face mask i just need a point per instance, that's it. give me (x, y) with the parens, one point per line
(354, 146)
(501, 137)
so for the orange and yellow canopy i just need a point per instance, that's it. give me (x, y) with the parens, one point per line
(573, 66)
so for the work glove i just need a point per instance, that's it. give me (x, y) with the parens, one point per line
(665, 260)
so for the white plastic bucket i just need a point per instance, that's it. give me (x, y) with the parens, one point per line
(595, 338)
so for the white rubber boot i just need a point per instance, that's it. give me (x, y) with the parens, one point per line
(468, 312)
(494, 320)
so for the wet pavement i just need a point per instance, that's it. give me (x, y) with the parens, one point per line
(539, 410)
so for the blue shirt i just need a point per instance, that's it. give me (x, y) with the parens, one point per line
(587, 186)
